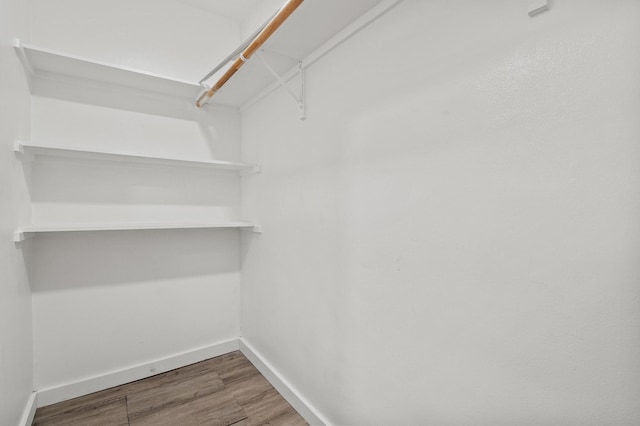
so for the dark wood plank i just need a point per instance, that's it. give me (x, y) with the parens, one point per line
(216, 409)
(248, 387)
(102, 408)
(265, 407)
(174, 377)
(175, 389)
(229, 365)
(288, 418)
(168, 389)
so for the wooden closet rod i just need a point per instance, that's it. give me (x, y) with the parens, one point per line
(263, 36)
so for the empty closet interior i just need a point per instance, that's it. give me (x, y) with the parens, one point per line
(400, 211)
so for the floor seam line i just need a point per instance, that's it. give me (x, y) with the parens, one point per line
(126, 405)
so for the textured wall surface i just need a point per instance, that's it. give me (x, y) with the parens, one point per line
(452, 236)
(165, 37)
(16, 377)
(104, 302)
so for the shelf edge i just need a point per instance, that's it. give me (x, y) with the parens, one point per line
(25, 47)
(23, 233)
(30, 150)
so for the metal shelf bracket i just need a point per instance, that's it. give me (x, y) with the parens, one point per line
(20, 236)
(254, 169)
(254, 229)
(299, 98)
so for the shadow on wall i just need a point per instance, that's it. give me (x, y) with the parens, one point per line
(118, 97)
(77, 260)
(57, 180)
(132, 100)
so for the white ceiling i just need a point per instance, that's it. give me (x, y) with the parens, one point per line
(241, 10)
(235, 9)
(313, 23)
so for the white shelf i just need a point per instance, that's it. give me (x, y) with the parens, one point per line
(36, 151)
(49, 64)
(313, 30)
(23, 233)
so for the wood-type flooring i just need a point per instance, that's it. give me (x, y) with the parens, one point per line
(227, 390)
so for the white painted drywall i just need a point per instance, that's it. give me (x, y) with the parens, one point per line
(16, 377)
(167, 37)
(258, 15)
(106, 192)
(106, 302)
(452, 235)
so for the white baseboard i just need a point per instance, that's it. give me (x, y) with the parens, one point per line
(105, 381)
(293, 397)
(30, 410)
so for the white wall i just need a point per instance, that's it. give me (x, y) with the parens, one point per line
(261, 11)
(16, 377)
(166, 37)
(452, 236)
(106, 193)
(104, 302)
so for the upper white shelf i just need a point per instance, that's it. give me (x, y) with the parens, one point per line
(23, 233)
(316, 28)
(49, 64)
(36, 151)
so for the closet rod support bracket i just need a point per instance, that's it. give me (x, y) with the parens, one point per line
(253, 170)
(20, 236)
(18, 147)
(254, 229)
(300, 97)
(18, 150)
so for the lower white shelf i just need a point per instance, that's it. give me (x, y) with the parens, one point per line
(23, 233)
(36, 151)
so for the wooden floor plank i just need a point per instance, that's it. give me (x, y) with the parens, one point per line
(85, 411)
(288, 418)
(217, 409)
(222, 391)
(170, 389)
(266, 406)
(229, 365)
(248, 387)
